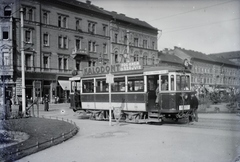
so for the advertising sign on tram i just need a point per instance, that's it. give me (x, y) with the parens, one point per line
(106, 69)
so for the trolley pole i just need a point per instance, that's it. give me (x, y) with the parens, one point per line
(23, 66)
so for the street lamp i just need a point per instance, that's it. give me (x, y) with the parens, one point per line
(23, 66)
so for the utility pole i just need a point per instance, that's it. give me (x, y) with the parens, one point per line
(23, 66)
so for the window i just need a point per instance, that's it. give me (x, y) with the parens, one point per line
(78, 25)
(7, 11)
(30, 14)
(63, 42)
(183, 82)
(125, 39)
(172, 88)
(91, 27)
(89, 63)
(78, 65)
(101, 85)
(144, 43)
(119, 85)
(28, 36)
(104, 48)
(136, 42)
(5, 61)
(135, 84)
(164, 82)
(105, 30)
(144, 60)
(153, 45)
(45, 62)
(94, 46)
(135, 58)
(153, 60)
(65, 64)
(28, 61)
(78, 44)
(62, 21)
(88, 86)
(45, 39)
(24, 13)
(115, 38)
(116, 57)
(5, 34)
(45, 17)
(89, 46)
(60, 63)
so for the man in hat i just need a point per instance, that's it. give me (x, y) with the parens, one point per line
(194, 106)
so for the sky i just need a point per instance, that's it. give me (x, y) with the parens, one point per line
(207, 26)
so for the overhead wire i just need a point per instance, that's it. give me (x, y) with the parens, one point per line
(190, 27)
(191, 11)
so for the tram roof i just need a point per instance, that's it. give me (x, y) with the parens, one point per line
(165, 67)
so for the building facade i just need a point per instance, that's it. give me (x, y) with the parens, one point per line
(210, 71)
(132, 40)
(61, 38)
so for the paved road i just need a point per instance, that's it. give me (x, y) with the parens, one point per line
(215, 138)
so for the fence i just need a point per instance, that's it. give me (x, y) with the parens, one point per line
(20, 153)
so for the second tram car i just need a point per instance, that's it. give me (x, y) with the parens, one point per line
(142, 93)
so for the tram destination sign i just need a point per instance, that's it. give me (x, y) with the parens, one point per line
(106, 69)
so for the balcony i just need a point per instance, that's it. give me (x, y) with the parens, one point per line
(79, 52)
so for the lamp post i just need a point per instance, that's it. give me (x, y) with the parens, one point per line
(23, 66)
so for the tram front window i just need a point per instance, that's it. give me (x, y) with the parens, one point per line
(183, 82)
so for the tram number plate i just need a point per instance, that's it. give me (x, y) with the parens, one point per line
(117, 112)
(184, 107)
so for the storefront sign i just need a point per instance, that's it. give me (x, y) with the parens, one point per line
(105, 69)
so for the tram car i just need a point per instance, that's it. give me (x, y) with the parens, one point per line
(141, 93)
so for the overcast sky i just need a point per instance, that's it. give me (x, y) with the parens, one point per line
(208, 26)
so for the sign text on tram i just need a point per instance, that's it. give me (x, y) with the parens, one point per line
(105, 69)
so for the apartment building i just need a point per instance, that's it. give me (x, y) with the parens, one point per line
(210, 71)
(133, 40)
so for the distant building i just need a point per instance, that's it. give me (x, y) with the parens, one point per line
(233, 56)
(61, 37)
(209, 71)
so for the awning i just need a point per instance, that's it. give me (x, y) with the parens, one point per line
(65, 84)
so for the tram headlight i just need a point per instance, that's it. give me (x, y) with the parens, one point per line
(186, 96)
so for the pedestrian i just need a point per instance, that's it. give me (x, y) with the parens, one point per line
(157, 93)
(46, 103)
(194, 107)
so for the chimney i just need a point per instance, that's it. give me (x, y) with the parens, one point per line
(88, 2)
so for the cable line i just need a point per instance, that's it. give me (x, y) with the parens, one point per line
(201, 25)
(191, 11)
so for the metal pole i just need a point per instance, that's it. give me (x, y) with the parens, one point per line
(23, 66)
(110, 104)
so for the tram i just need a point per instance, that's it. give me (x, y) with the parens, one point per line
(142, 93)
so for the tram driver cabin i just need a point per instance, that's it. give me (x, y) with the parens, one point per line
(142, 92)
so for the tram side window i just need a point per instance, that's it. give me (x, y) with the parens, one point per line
(172, 82)
(101, 85)
(183, 82)
(118, 85)
(164, 82)
(88, 86)
(135, 84)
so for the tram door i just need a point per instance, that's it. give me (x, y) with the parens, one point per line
(152, 85)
